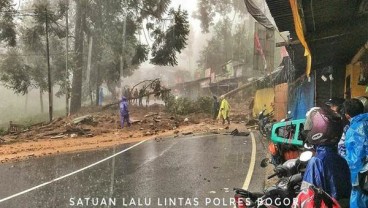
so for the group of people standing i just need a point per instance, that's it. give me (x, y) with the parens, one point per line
(339, 133)
(136, 97)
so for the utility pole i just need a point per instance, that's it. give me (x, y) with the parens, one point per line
(67, 93)
(48, 67)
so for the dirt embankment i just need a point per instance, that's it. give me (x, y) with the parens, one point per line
(96, 128)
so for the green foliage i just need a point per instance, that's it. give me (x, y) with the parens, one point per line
(101, 20)
(141, 55)
(226, 43)
(208, 10)
(150, 8)
(167, 44)
(14, 73)
(184, 106)
(224, 46)
(7, 26)
(204, 104)
(2, 131)
(33, 37)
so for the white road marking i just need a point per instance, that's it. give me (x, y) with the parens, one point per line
(70, 174)
(252, 163)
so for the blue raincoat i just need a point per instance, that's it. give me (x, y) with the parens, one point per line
(100, 97)
(124, 112)
(356, 144)
(124, 106)
(329, 171)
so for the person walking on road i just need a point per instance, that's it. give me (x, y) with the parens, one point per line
(124, 112)
(100, 97)
(147, 98)
(216, 107)
(224, 110)
(141, 94)
(135, 96)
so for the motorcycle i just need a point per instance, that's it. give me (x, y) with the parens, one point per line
(282, 146)
(265, 123)
(283, 192)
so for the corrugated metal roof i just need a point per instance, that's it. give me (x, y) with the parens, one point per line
(281, 12)
(334, 29)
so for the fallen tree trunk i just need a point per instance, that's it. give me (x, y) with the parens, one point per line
(234, 91)
(244, 86)
(132, 98)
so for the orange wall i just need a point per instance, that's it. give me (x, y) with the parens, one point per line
(354, 72)
(281, 101)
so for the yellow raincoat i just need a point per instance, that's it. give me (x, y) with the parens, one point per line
(224, 109)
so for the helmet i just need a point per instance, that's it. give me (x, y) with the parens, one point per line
(335, 101)
(364, 100)
(323, 127)
(338, 102)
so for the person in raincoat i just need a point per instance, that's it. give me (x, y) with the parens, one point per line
(224, 110)
(356, 143)
(327, 169)
(216, 107)
(124, 112)
(100, 97)
(337, 105)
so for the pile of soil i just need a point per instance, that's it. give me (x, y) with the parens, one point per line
(95, 127)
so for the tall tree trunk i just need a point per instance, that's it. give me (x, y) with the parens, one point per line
(67, 93)
(80, 17)
(41, 100)
(88, 74)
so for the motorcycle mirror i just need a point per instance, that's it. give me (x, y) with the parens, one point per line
(264, 162)
(308, 146)
(306, 156)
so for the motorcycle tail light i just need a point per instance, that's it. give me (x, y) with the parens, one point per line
(240, 202)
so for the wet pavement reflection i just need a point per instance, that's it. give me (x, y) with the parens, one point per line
(192, 168)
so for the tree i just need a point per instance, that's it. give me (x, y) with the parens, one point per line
(14, 72)
(33, 37)
(80, 22)
(228, 41)
(208, 10)
(224, 46)
(7, 26)
(99, 22)
(174, 40)
(91, 17)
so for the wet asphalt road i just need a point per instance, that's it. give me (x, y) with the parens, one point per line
(194, 171)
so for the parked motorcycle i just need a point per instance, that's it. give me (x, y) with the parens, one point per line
(282, 135)
(288, 117)
(283, 192)
(265, 123)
